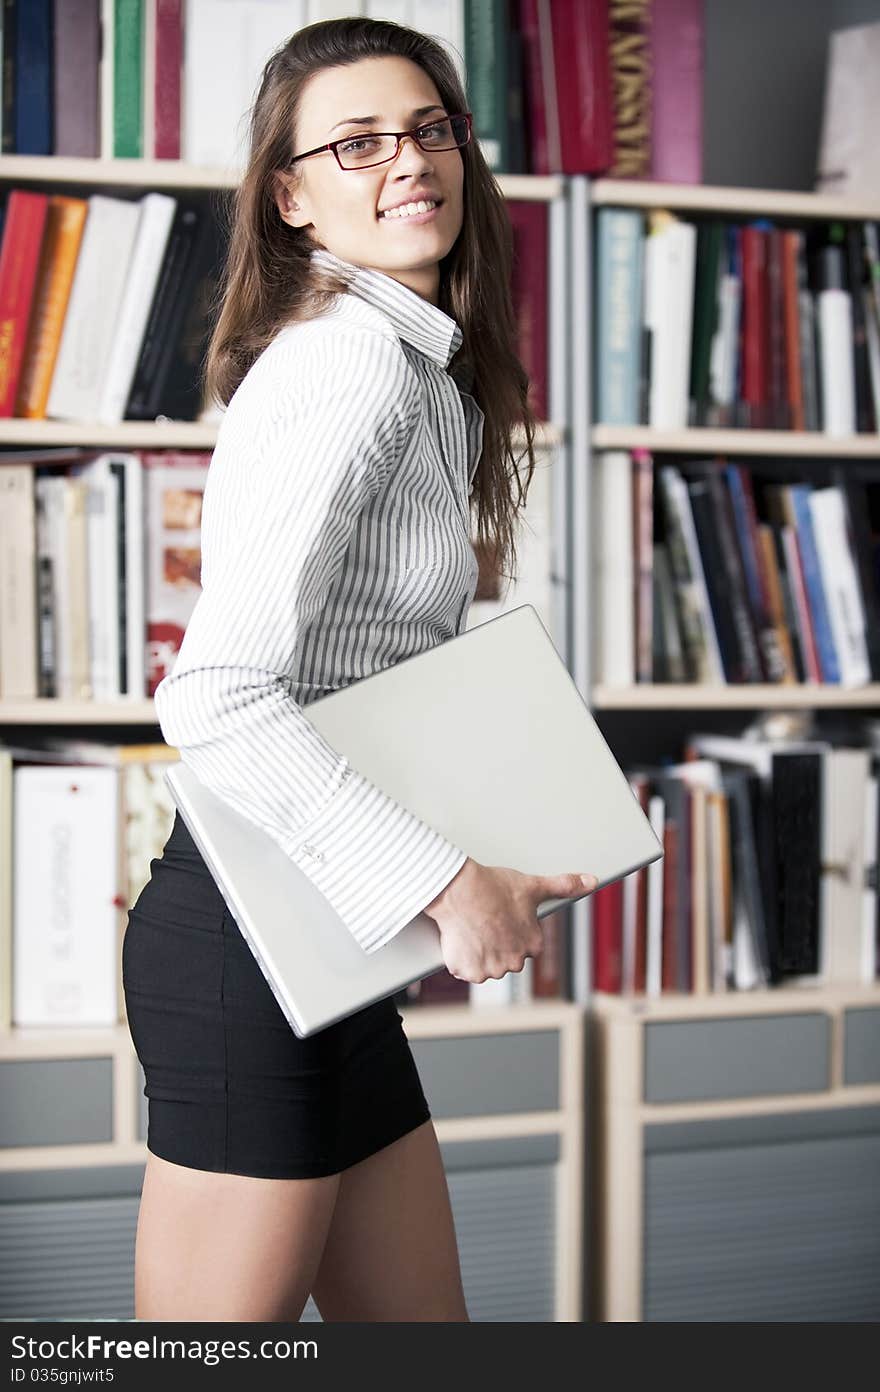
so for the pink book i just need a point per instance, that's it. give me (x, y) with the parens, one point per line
(677, 78)
(535, 95)
(529, 288)
(169, 45)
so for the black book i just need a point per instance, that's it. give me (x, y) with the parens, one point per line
(797, 824)
(743, 790)
(167, 377)
(714, 568)
(855, 271)
(855, 499)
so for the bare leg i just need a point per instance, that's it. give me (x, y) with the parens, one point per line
(391, 1251)
(214, 1246)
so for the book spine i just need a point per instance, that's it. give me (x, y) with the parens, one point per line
(630, 57)
(619, 305)
(828, 658)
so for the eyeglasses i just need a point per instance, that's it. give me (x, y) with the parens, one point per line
(369, 148)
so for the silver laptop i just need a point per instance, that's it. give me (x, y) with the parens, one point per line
(486, 738)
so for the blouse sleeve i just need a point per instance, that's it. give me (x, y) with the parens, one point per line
(306, 453)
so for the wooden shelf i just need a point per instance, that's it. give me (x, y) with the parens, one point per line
(421, 1021)
(674, 1005)
(156, 435)
(805, 443)
(717, 198)
(177, 174)
(746, 696)
(52, 711)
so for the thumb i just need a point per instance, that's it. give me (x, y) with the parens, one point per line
(566, 886)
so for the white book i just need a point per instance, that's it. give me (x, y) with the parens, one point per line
(96, 295)
(65, 868)
(148, 81)
(75, 591)
(105, 77)
(870, 883)
(130, 469)
(847, 162)
(153, 229)
(228, 43)
(845, 780)
(669, 271)
(613, 547)
(698, 594)
(103, 556)
(18, 592)
(836, 362)
(654, 954)
(840, 582)
(52, 554)
(723, 352)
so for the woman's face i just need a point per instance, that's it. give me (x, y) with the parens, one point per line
(341, 208)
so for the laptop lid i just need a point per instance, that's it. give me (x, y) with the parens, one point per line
(487, 739)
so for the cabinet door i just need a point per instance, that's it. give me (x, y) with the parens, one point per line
(67, 1242)
(763, 1217)
(504, 1197)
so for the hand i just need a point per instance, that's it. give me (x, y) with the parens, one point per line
(487, 917)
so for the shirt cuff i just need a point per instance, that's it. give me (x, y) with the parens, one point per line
(376, 863)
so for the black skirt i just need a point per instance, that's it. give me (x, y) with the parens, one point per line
(230, 1087)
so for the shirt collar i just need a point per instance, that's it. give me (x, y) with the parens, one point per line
(415, 320)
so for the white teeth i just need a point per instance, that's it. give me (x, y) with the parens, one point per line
(409, 209)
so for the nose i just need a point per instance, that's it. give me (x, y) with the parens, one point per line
(412, 149)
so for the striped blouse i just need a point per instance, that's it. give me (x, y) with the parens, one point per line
(335, 541)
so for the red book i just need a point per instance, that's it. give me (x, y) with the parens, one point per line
(583, 85)
(756, 366)
(19, 263)
(169, 62)
(539, 85)
(795, 392)
(608, 937)
(529, 289)
(669, 966)
(643, 793)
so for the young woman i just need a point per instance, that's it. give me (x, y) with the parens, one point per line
(369, 261)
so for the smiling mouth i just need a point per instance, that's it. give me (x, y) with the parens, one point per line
(417, 211)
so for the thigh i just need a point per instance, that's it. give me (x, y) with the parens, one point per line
(391, 1251)
(213, 1246)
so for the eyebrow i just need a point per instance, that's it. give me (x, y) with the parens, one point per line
(371, 120)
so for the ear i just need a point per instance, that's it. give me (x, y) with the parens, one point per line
(290, 206)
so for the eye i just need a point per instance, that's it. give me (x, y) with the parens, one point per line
(359, 144)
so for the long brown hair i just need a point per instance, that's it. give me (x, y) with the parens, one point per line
(268, 279)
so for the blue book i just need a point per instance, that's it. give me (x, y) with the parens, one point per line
(828, 661)
(32, 57)
(620, 256)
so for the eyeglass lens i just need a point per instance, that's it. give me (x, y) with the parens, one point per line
(358, 151)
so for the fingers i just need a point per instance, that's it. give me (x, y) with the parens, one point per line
(562, 886)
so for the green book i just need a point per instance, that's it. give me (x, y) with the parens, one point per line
(128, 68)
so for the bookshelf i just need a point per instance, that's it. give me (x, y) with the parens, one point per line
(525, 1151)
(716, 1120)
(589, 438)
